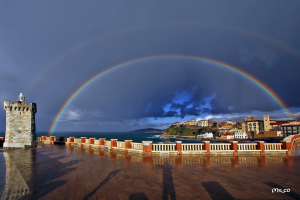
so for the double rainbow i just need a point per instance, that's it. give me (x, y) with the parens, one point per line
(248, 76)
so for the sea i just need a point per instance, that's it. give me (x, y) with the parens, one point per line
(121, 136)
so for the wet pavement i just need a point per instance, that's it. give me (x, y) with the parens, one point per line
(61, 172)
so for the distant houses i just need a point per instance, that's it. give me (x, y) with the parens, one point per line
(205, 135)
(249, 128)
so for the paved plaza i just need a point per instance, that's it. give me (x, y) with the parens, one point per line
(62, 172)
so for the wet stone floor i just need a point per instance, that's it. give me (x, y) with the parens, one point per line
(61, 172)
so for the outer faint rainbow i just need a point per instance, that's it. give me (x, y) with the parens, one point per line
(266, 88)
(76, 49)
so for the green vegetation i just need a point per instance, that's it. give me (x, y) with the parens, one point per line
(183, 131)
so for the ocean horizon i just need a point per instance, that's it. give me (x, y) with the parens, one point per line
(121, 136)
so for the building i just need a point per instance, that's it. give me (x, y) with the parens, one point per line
(176, 124)
(227, 136)
(236, 130)
(226, 125)
(224, 130)
(190, 123)
(205, 135)
(252, 125)
(231, 122)
(290, 128)
(273, 134)
(20, 124)
(238, 135)
(203, 123)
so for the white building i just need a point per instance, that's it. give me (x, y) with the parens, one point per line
(205, 135)
(238, 135)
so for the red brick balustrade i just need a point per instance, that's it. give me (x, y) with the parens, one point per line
(92, 140)
(101, 141)
(178, 147)
(234, 147)
(206, 146)
(260, 145)
(287, 145)
(113, 143)
(72, 139)
(82, 141)
(127, 145)
(52, 139)
(147, 147)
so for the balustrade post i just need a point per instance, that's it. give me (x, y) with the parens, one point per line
(234, 147)
(206, 146)
(52, 139)
(288, 146)
(92, 141)
(147, 147)
(101, 142)
(260, 145)
(178, 147)
(71, 139)
(113, 143)
(82, 141)
(127, 145)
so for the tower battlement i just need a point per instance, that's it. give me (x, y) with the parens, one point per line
(16, 106)
(20, 124)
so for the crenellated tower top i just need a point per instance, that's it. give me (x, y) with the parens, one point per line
(20, 105)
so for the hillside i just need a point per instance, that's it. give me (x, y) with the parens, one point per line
(182, 131)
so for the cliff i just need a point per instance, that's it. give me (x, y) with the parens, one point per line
(182, 131)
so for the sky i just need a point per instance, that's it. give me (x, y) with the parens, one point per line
(49, 49)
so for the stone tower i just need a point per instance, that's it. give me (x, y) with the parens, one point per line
(20, 124)
(267, 126)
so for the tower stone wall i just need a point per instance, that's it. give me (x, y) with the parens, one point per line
(20, 124)
(267, 126)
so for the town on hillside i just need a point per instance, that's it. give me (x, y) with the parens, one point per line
(248, 129)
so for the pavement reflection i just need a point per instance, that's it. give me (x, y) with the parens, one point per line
(52, 172)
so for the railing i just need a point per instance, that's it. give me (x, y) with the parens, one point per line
(107, 143)
(164, 147)
(214, 148)
(246, 146)
(273, 146)
(219, 147)
(138, 146)
(192, 147)
(121, 144)
(77, 140)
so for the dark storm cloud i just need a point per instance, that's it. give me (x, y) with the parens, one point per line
(77, 40)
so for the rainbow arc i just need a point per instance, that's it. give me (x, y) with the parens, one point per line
(245, 74)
